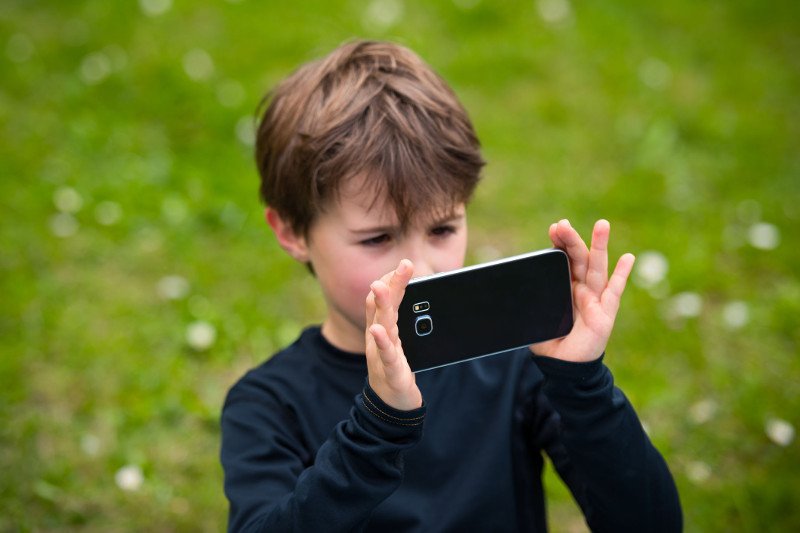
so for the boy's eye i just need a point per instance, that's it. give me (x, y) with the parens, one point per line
(377, 240)
(441, 231)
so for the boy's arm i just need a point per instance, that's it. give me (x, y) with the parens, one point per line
(595, 440)
(267, 478)
(585, 424)
(274, 483)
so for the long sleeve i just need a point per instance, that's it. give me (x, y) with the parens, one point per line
(596, 442)
(274, 483)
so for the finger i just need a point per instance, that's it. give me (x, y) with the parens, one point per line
(404, 270)
(386, 350)
(575, 248)
(385, 311)
(554, 238)
(369, 319)
(369, 306)
(597, 271)
(616, 285)
(398, 281)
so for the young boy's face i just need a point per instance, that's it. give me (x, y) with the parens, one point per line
(357, 240)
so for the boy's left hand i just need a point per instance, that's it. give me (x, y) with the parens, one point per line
(595, 296)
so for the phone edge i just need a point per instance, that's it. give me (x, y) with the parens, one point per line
(489, 264)
(482, 356)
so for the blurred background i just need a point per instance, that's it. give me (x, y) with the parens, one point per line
(139, 280)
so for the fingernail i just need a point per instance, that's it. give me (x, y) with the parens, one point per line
(402, 268)
(566, 220)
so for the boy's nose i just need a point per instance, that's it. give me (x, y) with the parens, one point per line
(423, 266)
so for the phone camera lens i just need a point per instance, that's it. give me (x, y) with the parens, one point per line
(423, 325)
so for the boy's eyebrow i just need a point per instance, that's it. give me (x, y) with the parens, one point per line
(450, 217)
(376, 229)
(393, 228)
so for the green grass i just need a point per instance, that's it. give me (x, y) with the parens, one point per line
(677, 121)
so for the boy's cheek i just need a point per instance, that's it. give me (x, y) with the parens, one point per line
(356, 289)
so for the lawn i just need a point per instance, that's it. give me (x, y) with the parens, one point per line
(139, 280)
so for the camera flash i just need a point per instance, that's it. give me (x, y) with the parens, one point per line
(421, 306)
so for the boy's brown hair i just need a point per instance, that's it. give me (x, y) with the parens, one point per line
(371, 109)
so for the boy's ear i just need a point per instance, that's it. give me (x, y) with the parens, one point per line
(294, 244)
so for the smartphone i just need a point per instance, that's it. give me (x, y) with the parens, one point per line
(485, 309)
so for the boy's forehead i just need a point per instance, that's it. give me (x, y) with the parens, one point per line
(360, 202)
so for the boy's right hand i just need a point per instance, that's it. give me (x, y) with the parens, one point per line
(389, 374)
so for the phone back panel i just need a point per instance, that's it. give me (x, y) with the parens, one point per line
(485, 309)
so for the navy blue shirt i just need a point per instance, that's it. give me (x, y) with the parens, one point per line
(308, 446)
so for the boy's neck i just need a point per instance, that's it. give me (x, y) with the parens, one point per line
(345, 336)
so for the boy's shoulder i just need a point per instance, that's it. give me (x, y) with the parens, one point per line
(289, 371)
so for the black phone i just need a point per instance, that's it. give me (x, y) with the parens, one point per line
(485, 309)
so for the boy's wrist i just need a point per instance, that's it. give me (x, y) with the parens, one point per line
(395, 427)
(385, 412)
(569, 370)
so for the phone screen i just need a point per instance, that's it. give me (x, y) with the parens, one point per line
(486, 309)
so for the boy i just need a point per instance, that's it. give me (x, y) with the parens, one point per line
(367, 161)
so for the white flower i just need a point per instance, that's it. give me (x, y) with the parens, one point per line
(108, 213)
(149, 239)
(554, 11)
(735, 314)
(230, 93)
(686, 305)
(172, 287)
(383, 14)
(764, 236)
(129, 478)
(63, 225)
(19, 48)
(154, 8)
(779, 431)
(198, 64)
(174, 209)
(201, 335)
(90, 445)
(95, 67)
(488, 252)
(655, 73)
(698, 472)
(246, 130)
(651, 268)
(703, 411)
(67, 200)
